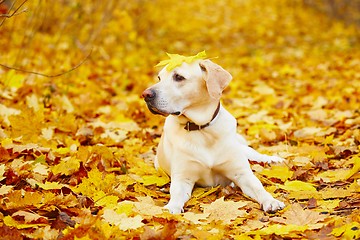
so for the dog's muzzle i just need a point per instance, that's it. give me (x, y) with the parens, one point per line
(149, 96)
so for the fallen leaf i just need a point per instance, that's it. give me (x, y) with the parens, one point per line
(10, 222)
(101, 199)
(280, 172)
(340, 174)
(297, 186)
(45, 233)
(225, 211)
(41, 169)
(153, 179)
(147, 206)
(196, 218)
(5, 112)
(121, 220)
(67, 166)
(74, 145)
(296, 215)
(4, 189)
(347, 231)
(279, 230)
(2, 171)
(28, 217)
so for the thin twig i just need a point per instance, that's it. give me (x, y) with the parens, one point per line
(48, 75)
(14, 13)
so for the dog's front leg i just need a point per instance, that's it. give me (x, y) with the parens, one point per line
(241, 174)
(251, 186)
(180, 193)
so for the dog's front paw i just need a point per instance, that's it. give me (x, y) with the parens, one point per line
(272, 205)
(174, 209)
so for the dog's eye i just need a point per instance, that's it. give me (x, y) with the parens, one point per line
(159, 78)
(178, 77)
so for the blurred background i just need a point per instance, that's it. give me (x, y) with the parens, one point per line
(129, 37)
(295, 47)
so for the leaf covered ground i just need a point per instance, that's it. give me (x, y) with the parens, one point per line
(77, 150)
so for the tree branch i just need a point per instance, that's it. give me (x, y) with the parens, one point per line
(48, 75)
(14, 13)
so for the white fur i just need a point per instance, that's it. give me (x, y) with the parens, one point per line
(208, 157)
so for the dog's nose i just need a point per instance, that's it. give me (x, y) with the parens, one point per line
(148, 95)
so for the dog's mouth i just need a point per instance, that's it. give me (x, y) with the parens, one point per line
(155, 110)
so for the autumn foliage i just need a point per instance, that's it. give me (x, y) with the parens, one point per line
(77, 142)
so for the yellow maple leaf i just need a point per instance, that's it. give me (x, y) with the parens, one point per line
(340, 174)
(2, 171)
(124, 207)
(296, 215)
(67, 166)
(196, 218)
(41, 169)
(200, 193)
(51, 185)
(280, 172)
(27, 125)
(176, 60)
(297, 186)
(13, 79)
(86, 237)
(225, 211)
(279, 230)
(101, 199)
(4, 189)
(347, 231)
(95, 183)
(45, 233)
(328, 205)
(327, 193)
(307, 194)
(147, 206)
(121, 220)
(9, 221)
(6, 112)
(21, 199)
(152, 179)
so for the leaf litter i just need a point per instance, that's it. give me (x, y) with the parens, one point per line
(77, 150)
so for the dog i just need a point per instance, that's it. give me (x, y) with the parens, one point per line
(199, 144)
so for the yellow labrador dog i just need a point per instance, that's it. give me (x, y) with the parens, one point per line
(199, 144)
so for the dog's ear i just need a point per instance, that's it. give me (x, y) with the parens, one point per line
(216, 78)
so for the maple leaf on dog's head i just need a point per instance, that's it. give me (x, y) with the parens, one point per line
(176, 60)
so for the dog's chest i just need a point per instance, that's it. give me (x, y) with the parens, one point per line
(204, 147)
(198, 154)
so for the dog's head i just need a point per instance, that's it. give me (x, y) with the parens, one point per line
(186, 86)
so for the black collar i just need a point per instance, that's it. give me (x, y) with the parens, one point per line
(190, 126)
